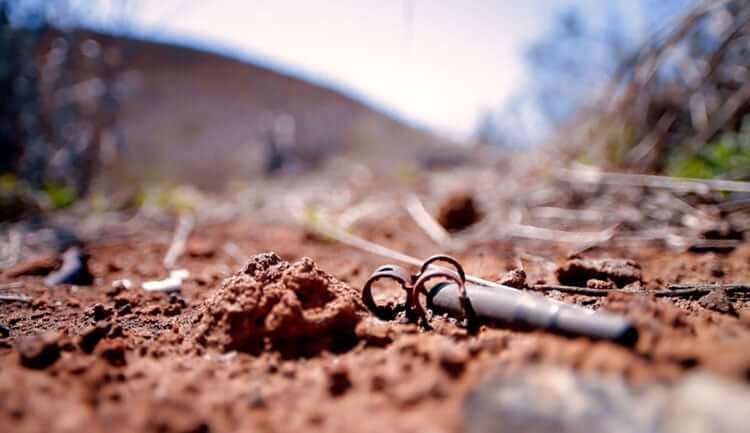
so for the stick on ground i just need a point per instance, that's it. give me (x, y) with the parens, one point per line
(14, 297)
(651, 181)
(185, 225)
(426, 221)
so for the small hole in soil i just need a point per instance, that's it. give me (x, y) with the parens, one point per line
(688, 363)
(343, 342)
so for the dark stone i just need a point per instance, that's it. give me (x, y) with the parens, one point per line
(92, 335)
(74, 269)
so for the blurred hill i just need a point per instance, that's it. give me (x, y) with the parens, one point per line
(190, 115)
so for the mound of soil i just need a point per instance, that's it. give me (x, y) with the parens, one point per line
(293, 308)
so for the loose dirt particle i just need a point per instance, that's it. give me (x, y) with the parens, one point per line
(295, 309)
(458, 211)
(600, 284)
(39, 351)
(100, 312)
(577, 271)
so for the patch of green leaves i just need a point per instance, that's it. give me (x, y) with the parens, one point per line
(60, 196)
(8, 183)
(728, 156)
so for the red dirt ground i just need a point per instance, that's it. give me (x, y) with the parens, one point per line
(304, 354)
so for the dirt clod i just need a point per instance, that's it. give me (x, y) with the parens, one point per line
(578, 271)
(515, 278)
(452, 358)
(718, 301)
(293, 308)
(39, 351)
(100, 312)
(113, 351)
(374, 332)
(458, 211)
(200, 248)
(92, 335)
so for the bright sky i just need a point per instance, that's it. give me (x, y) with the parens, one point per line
(435, 63)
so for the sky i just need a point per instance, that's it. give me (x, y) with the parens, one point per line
(433, 63)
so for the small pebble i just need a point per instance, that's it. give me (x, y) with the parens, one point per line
(515, 278)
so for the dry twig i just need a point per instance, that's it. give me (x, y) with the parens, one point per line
(354, 241)
(544, 234)
(672, 291)
(651, 181)
(426, 222)
(571, 289)
(14, 297)
(185, 225)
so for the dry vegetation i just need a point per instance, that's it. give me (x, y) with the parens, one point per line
(679, 103)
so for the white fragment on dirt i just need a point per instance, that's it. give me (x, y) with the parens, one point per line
(171, 284)
(185, 225)
(122, 284)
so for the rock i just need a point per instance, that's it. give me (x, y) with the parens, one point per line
(515, 278)
(74, 269)
(99, 312)
(547, 399)
(458, 211)
(39, 351)
(92, 335)
(704, 403)
(578, 271)
(4, 331)
(718, 301)
(118, 287)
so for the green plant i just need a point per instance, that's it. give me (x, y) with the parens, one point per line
(728, 156)
(59, 196)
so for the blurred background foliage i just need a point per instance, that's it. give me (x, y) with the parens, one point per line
(58, 104)
(675, 100)
(671, 98)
